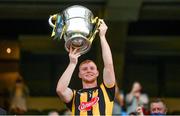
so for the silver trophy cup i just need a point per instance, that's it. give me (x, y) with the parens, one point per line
(77, 25)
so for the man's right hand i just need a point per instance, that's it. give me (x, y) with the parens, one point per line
(74, 55)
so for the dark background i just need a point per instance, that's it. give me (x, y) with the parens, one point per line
(143, 34)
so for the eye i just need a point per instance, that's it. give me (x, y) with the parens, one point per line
(159, 109)
(84, 68)
(154, 109)
(92, 68)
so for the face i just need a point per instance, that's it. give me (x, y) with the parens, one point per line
(136, 86)
(158, 108)
(88, 72)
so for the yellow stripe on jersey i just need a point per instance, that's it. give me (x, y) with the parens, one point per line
(95, 110)
(73, 105)
(108, 103)
(83, 98)
(103, 106)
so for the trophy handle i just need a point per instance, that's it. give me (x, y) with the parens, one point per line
(98, 22)
(58, 27)
(53, 17)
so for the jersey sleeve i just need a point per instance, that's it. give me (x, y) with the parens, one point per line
(110, 92)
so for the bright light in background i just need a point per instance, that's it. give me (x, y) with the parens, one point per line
(8, 50)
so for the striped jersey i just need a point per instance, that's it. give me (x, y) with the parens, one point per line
(93, 101)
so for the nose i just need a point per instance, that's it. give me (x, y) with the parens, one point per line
(88, 69)
(156, 110)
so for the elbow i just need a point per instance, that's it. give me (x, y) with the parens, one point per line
(110, 69)
(111, 75)
(59, 91)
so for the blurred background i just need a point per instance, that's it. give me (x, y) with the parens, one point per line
(144, 36)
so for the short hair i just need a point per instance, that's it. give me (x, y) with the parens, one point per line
(158, 100)
(86, 61)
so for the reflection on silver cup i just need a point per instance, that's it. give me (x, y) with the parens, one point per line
(77, 25)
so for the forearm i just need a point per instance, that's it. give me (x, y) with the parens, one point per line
(65, 78)
(108, 73)
(129, 98)
(106, 52)
(64, 92)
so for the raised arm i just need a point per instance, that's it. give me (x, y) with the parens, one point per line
(108, 72)
(62, 89)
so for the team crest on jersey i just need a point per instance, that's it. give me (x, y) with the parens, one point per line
(86, 106)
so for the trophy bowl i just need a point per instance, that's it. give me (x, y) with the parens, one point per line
(77, 25)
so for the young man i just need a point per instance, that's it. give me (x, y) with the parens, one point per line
(91, 99)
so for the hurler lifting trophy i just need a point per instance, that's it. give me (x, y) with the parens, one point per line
(77, 25)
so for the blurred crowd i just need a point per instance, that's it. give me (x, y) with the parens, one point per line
(135, 102)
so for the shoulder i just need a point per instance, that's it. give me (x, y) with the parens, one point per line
(108, 91)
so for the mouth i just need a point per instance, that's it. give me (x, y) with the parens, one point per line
(89, 74)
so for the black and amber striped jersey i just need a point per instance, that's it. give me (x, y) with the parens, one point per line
(93, 101)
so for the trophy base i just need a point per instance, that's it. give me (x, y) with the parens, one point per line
(78, 41)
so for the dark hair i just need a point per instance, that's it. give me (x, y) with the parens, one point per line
(157, 100)
(133, 113)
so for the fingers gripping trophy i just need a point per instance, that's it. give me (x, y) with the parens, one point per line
(77, 25)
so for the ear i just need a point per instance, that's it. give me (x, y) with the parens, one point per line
(79, 75)
(97, 74)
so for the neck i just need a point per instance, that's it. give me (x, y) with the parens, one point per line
(89, 85)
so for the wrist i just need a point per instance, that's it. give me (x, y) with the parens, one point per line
(73, 63)
(102, 36)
